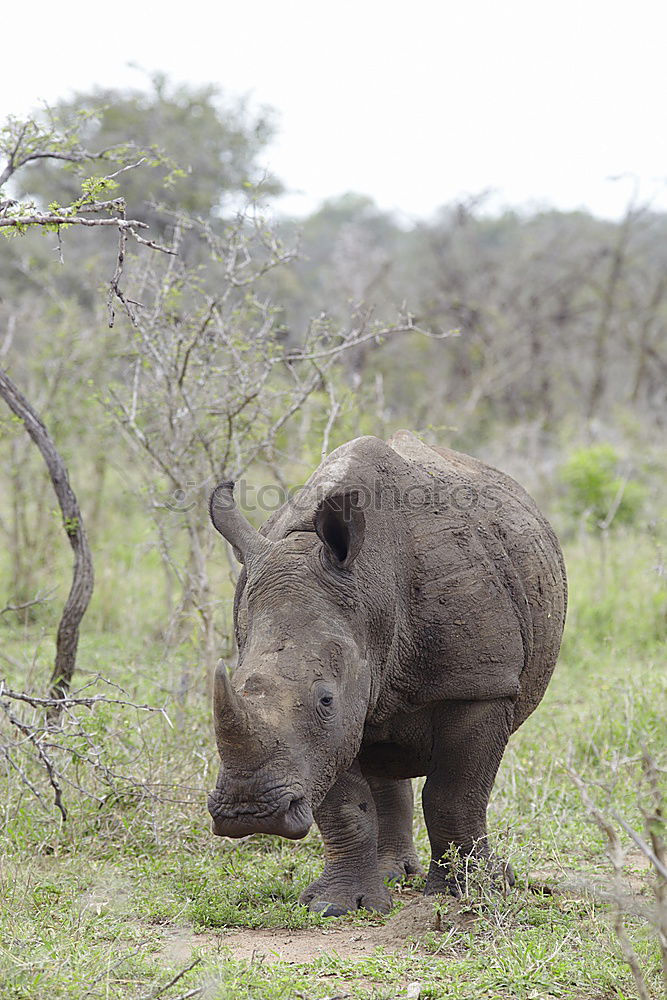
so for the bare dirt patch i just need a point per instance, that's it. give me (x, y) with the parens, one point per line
(271, 945)
(401, 933)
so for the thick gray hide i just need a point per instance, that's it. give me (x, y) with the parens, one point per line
(405, 620)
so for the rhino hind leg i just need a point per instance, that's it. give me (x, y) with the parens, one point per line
(470, 740)
(348, 823)
(394, 804)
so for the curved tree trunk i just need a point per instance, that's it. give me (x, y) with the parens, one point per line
(82, 574)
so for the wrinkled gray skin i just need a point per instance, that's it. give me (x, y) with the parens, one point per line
(400, 617)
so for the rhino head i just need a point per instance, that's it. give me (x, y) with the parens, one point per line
(291, 718)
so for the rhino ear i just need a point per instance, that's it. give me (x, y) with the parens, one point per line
(340, 523)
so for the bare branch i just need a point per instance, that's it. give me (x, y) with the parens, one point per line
(334, 410)
(642, 845)
(172, 982)
(39, 598)
(616, 855)
(80, 156)
(68, 701)
(31, 735)
(63, 219)
(23, 776)
(356, 337)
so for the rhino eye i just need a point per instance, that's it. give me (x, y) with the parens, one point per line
(325, 705)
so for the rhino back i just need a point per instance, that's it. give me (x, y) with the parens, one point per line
(490, 577)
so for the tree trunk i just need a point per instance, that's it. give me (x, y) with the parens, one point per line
(82, 575)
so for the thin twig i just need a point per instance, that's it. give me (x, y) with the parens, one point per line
(68, 701)
(44, 757)
(38, 599)
(642, 845)
(616, 855)
(24, 778)
(172, 982)
(109, 969)
(354, 339)
(334, 410)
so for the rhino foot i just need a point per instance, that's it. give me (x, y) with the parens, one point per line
(334, 898)
(394, 868)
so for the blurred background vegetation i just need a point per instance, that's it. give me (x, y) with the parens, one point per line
(553, 367)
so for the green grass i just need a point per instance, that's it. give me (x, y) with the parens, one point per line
(88, 904)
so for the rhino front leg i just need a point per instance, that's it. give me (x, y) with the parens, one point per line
(469, 743)
(394, 804)
(348, 823)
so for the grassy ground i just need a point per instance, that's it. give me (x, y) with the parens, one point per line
(122, 897)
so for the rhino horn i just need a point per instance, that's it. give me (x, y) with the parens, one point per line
(230, 718)
(233, 526)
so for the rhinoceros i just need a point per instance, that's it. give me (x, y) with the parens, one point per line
(400, 616)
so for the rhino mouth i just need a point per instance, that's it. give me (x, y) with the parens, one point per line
(292, 818)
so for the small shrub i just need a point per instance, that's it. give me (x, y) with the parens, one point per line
(596, 491)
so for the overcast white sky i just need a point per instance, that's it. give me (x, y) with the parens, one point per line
(414, 103)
